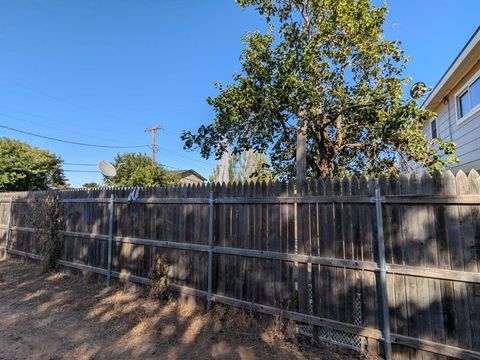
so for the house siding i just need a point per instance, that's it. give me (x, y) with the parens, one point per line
(191, 179)
(466, 135)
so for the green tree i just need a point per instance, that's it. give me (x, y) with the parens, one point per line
(246, 166)
(326, 70)
(24, 167)
(136, 169)
(90, 185)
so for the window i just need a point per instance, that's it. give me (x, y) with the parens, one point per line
(464, 104)
(433, 128)
(468, 99)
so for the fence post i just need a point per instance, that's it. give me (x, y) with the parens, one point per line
(110, 236)
(9, 230)
(382, 271)
(211, 204)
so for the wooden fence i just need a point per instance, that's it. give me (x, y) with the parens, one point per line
(393, 263)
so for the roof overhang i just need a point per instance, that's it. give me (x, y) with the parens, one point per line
(463, 63)
(187, 172)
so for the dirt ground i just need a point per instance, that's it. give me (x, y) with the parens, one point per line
(59, 316)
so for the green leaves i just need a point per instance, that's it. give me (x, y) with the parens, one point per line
(26, 168)
(328, 62)
(136, 169)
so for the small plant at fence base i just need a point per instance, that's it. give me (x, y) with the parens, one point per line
(46, 217)
(159, 275)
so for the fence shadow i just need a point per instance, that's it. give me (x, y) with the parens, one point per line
(431, 228)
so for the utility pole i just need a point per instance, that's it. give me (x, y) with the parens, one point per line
(153, 130)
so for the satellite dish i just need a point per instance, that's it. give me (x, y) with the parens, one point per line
(418, 90)
(107, 169)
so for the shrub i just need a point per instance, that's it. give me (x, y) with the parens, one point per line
(159, 275)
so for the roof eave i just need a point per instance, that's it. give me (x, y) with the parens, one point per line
(447, 82)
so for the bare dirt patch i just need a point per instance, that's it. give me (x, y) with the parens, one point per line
(59, 316)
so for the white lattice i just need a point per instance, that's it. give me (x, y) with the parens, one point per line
(337, 337)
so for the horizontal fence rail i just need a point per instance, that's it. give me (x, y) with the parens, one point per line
(315, 259)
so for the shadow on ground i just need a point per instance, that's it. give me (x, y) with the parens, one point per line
(58, 316)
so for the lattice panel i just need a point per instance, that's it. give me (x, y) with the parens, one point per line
(336, 337)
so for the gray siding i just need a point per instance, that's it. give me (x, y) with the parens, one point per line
(466, 135)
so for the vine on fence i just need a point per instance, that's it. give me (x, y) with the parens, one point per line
(159, 276)
(45, 215)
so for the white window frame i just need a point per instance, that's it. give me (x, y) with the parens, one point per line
(473, 111)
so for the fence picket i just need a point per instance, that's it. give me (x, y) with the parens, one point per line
(430, 224)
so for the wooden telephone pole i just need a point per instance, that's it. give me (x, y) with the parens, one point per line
(153, 130)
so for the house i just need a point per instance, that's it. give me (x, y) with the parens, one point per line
(456, 101)
(189, 176)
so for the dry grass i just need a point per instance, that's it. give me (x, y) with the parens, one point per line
(64, 317)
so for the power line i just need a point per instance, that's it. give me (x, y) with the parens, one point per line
(72, 142)
(54, 97)
(83, 171)
(79, 164)
(184, 156)
(15, 117)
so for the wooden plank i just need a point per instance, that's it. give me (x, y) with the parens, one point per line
(303, 243)
(275, 245)
(8, 228)
(337, 274)
(248, 243)
(238, 229)
(313, 251)
(263, 245)
(459, 334)
(398, 199)
(474, 289)
(369, 295)
(413, 247)
(327, 249)
(300, 317)
(211, 214)
(423, 306)
(435, 347)
(349, 292)
(222, 235)
(466, 236)
(124, 200)
(434, 273)
(317, 239)
(431, 259)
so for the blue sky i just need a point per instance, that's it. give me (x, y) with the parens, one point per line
(101, 71)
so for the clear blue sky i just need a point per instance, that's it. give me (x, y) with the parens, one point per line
(101, 71)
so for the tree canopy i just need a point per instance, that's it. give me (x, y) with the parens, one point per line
(26, 168)
(90, 185)
(324, 68)
(136, 169)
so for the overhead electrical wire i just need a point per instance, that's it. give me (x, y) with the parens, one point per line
(72, 142)
(16, 117)
(66, 163)
(56, 98)
(86, 171)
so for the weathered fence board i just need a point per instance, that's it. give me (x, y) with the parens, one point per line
(310, 257)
